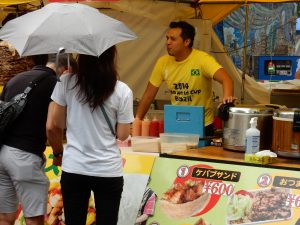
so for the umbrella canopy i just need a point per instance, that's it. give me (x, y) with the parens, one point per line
(75, 27)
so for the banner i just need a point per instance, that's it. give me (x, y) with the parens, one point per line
(205, 193)
(137, 169)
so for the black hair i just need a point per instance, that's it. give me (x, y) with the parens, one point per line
(97, 77)
(40, 59)
(187, 30)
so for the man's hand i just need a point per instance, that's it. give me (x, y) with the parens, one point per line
(229, 99)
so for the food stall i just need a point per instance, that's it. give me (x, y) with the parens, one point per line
(213, 185)
(207, 185)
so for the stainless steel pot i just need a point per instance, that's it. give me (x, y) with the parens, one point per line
(286, 132)
(237, 124)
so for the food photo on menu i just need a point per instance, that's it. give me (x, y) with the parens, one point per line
(259, 206)
(201, 221)
(183, 200)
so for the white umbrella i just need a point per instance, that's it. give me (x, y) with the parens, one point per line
(77, 28)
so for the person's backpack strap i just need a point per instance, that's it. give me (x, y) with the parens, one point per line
(11, 109)
(34, 83)
(107, 120)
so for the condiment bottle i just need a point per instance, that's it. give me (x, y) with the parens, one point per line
(160, 126)
(154, 128)
(252, 137)
(145, 127)
(217, 123)
(136, 127)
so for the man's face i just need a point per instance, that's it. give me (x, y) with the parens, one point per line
(175, 44)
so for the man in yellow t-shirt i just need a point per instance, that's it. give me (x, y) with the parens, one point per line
(188, 73)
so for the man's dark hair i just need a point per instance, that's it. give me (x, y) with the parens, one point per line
(97, 77)
(187, 30)
(40, 59)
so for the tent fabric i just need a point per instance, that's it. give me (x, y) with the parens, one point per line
(216, 13)
(16, 6)
(5, 3)
(243, 1)
(216, 10)
(254, 93)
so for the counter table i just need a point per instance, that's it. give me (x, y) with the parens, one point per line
(218, 154)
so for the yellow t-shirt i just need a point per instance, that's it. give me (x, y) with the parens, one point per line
(189, 81)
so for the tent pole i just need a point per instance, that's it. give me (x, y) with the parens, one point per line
(244, 54)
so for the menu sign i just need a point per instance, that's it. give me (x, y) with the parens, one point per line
(205, 193)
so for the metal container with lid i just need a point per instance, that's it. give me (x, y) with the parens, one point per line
(286, 132)
(238, 122)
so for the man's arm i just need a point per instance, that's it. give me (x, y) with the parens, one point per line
(56, 122)
(223, 78)
(146, 101)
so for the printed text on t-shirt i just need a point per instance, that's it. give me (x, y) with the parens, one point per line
(182, 94)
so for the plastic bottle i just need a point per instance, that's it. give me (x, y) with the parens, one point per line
(154, 128)
(136, 127)
(252, 137)
(218, 123)
(145, 127)
(160, 126)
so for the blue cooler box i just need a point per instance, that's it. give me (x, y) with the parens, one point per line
(184, 119)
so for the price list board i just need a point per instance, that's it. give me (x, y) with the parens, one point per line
(210, 193)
